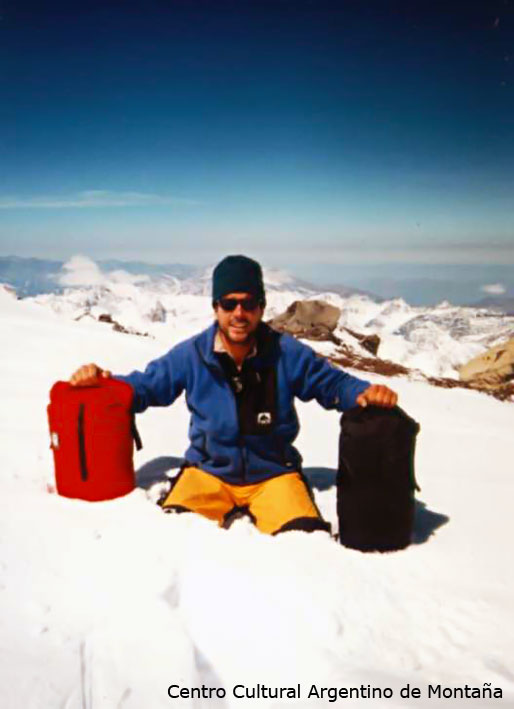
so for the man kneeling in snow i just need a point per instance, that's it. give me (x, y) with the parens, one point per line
(240, 379)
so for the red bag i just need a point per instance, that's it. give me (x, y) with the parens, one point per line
(92, 431)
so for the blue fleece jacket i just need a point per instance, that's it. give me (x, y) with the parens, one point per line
(216, 443)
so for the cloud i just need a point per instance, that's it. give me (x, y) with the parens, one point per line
(494, 289)
(83, 271)
(94, 199)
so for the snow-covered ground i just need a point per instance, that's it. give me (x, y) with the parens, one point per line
(105, 605)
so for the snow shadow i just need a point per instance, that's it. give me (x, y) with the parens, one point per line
(426, 522)
(320, 478)
(157, 470)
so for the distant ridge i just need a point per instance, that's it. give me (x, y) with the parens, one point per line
(35, 276)
(30, 276)
(345, 291)
(179, 270)
(504, 304)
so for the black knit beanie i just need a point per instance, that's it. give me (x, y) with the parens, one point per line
(237, 274)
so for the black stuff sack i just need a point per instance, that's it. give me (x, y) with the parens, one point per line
(375, 479)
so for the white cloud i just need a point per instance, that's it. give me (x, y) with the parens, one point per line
(125, 277)
(494, 289)
(93, 199)
(83, 271)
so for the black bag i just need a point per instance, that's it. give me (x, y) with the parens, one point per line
(375, 480)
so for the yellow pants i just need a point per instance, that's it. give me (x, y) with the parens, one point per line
(281, 501)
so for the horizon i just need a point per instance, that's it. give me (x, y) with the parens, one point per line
(418, 284)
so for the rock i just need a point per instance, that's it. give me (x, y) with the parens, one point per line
(369, 342)
(309, 319)
(118, 327)
(345, 357)
(158, 313)
(492, 369)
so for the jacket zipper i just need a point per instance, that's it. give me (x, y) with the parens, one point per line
(243, 456)
(240, 439)
(219, 372)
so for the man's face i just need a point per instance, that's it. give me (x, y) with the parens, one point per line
(239, 325)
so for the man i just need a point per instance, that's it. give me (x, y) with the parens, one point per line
(240, 379)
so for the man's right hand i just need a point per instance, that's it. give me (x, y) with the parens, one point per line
(88, 375)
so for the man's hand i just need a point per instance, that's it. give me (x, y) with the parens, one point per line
(88, 375)
(378, 395)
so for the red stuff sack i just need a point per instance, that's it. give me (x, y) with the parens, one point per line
(92, 431)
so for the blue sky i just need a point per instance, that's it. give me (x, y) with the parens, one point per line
(305, 133)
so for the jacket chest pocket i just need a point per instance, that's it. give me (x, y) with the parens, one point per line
(257, 402)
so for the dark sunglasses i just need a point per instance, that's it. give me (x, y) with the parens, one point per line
(248, 304)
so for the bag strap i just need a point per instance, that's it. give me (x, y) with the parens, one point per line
(135, 433)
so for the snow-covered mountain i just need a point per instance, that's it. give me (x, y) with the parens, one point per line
(108, 604)
(435, 340)
(32, 276)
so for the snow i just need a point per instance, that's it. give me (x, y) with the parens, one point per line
(106, 604)
(435, 340)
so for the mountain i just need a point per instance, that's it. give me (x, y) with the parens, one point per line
(500, 303)
(160, 301)
(346, 291)
(435, 340)
(32, 276)
(178, 270)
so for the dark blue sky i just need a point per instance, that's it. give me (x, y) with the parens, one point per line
(300, 132)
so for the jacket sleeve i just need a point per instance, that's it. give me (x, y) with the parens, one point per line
(313, 377)
(161, 383)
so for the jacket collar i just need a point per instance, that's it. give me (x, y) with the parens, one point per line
(267, 346)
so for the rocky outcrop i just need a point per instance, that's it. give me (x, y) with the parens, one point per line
(308, 319)
(505, 392)
(317, 320)
(158, 313)
(117, 327)
(369, 342)
(345, 357)
(492, 369)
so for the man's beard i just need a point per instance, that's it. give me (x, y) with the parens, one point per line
(250, 337)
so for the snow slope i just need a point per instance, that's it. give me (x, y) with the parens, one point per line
(106, 605)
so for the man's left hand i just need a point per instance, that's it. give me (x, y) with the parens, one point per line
(378, 395)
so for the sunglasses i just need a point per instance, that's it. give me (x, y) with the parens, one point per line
(248, 304)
